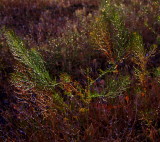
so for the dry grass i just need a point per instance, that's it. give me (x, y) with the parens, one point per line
(105, 67)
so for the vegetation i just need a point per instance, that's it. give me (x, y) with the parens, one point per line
(81, 71)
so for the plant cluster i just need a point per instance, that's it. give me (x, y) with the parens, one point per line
(95, 81)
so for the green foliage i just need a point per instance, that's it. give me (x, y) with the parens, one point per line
(30, 58)
(157, 73)
(137, 44)
(32, 72)
(141, 56)
(100, 38)
(114, 39)
(119, 34)
(117, 86)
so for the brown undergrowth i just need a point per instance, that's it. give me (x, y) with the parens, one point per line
(93, 79)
